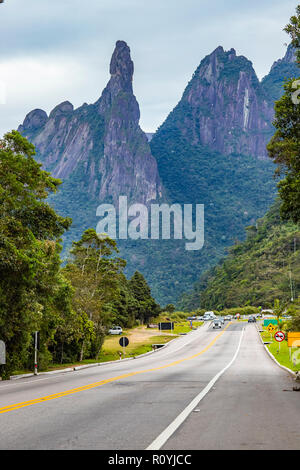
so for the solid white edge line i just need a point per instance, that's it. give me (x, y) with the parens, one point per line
(167, 433)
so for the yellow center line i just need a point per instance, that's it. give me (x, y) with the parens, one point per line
(23, 404)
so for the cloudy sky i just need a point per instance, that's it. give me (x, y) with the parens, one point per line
(57, 50)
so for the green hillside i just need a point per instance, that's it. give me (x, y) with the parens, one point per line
(262, 268)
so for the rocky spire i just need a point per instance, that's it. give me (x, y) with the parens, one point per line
(121, 71)
(121, 66)
(126, 147)
(101, 144)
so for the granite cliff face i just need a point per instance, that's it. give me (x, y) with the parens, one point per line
(225, 107)
(210, 150)
(101, 144)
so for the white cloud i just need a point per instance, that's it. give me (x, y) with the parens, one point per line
(52, 51)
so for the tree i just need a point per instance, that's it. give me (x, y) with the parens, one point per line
(94, 273)
(147, 307)
(284, 147)
(29, 248)
(169, 308)
(278, 309)
(293, 29)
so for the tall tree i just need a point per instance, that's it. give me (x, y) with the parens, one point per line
(29, 250)
(94, 273)
(284, 147)
(147, 307)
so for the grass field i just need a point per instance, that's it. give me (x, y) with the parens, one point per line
(140, 338)
(281, 353)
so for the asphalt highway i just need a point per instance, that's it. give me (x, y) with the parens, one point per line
(210, 389)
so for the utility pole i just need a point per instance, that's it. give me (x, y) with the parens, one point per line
(35, 352)
(291, 286)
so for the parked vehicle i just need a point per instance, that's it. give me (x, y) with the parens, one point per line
(115, 330)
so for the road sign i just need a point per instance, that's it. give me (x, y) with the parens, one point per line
(294, 339)
(166, 326)
(270, 321)
(2, 353)
(279, 336)
(124, 341)
(271, 328)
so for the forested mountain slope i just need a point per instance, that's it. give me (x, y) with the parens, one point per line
(256, 272)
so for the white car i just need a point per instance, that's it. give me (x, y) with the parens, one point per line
(115, 330)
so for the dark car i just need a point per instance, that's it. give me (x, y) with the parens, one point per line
(251, 319)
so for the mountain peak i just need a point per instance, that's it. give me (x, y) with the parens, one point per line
(36, 119)
(289, 57)
(63, 108)
(121, 66)
(121, 71)
(218, 50)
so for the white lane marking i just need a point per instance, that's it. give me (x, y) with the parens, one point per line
(169, 431)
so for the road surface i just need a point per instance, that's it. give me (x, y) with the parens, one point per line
(238, 398)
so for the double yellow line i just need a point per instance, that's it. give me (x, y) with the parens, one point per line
(23, 404)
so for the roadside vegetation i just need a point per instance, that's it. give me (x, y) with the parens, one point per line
(281, 353)
(141, 340)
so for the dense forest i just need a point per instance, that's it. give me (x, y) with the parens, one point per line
(72, 306)
(257, 271)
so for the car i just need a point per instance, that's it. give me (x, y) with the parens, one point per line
(115, 330)
(228, 318)
(207, 318)
(251, 319)
(217, 324)
(222, 320)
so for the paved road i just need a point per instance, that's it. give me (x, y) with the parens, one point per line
(128, 405)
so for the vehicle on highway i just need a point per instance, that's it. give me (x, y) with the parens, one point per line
(217, 324)
(228, 318)
(115, 330)
(251, 319)
(209, 316)
(199, 318)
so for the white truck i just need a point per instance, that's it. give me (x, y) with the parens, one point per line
(209, 316)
